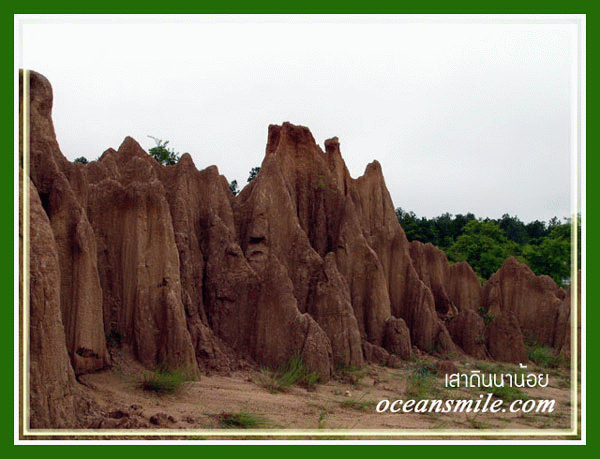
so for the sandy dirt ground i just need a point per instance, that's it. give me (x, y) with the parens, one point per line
(243, 405)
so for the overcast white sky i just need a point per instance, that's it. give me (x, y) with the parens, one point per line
(465, 114)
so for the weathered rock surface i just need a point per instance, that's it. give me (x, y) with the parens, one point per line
(505, 340)
(55, 400)
(468, 331)
(139, 264)
(455, 287)
(304, 261)
(563, 335)
(80, 289)
(535, 301)
(396, 338)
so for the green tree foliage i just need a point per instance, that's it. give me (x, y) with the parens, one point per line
(513, 228)
(552, 256)
(162, 154)
(233, 186)
(444, 230)
(416, 229)
(441, 231)
(448, 229)
(81, 160)
(484, 246)
(253, 173)
(536, 231)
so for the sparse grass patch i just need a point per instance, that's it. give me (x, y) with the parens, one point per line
(439, 424)
(422, 381)
(294, 372)
(509, 393)
(476, 423)
(348, 374)
(243, 420)
(165, 379)
(321, 421)
(423, 369)
(419, 387)
(358, 404)
(529, 418)
(564, 382)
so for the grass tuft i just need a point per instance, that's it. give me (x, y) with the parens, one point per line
(421, 381)
(166, 380)
(244, 420)
(293, 372)
(358, 404)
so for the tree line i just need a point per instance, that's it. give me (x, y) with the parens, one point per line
(486, 243)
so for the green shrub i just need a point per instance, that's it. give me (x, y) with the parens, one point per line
(162, 154)
(166, 379)
(544, 356)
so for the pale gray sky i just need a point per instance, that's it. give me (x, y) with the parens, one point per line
(465, 114)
